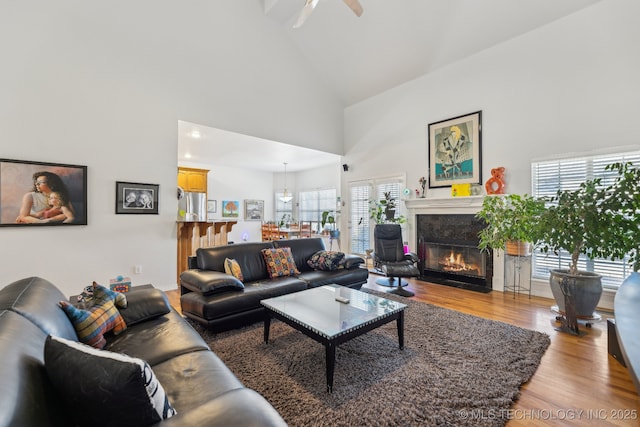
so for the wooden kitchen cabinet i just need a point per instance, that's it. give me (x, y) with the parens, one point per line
(191, 179)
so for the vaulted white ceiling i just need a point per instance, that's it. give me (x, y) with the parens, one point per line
(393, 42)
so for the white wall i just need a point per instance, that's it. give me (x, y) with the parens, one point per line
(104, 85)
(571, 86)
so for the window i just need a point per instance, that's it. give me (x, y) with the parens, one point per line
(567, 174)
(360, 218)
(361, 193)
(313, 203)
(284, 211)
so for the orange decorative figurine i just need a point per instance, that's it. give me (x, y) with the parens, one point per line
(495, 184)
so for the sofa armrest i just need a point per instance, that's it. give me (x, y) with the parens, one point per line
(239, 407)
(206, 282)
(192, 262)
(352, 261)
(412, 256)
(144, 304)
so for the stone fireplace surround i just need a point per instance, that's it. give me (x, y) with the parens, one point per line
(449, 205)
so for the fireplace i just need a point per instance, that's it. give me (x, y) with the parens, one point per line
(449, 254)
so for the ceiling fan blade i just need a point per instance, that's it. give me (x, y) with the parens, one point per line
(305, 12)
(355, 6)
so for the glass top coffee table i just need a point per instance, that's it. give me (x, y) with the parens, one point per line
(316, 313)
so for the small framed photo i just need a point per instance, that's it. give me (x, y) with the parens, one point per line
(455, 151)
(212, 206)
(230, 209)
(253, 210)
(42, 194)
(136, 198)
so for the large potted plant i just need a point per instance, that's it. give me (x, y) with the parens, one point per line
(512, 223)
(597, 220)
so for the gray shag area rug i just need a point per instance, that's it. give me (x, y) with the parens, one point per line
(455, 370)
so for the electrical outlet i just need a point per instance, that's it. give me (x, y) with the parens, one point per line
(137, 269)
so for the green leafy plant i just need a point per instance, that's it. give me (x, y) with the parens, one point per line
(597, 220)
(383, 210)
(622, 209)
(328, 217)
(509, 218)
(286, 220)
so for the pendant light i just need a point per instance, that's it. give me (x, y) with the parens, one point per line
(286, 196)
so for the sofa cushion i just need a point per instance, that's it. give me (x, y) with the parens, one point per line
(280, 262)
(144, 304)
(247, 254)
(37, 300)
(27, 397)
(326, 260)
(207, 282)
(224, 305)
(353, 278)
(159, 339)
(232, 267)
(102, 317)
(103, 388)
(302, 249)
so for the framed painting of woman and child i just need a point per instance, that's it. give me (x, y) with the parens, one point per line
(40, 194)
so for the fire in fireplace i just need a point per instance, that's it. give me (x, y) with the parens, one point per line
(458, 260)
(447, 246)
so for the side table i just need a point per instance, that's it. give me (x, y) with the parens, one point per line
(517, 274)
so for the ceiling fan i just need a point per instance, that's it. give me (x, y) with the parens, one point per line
(310, 5)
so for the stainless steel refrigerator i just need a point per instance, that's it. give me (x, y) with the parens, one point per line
(192, 206)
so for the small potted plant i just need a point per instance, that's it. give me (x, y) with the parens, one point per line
(329, 217)
(384, 210)
(511, 223)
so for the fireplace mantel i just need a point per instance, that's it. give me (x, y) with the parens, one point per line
(466, 202)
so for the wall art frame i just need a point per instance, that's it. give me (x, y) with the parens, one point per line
(212, 206)
(253, 210)
(455, 151)
(136, 198)
(230, 209)
(27, 191)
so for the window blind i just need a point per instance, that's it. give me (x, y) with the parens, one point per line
(547, 178)
(313, 203)
(360, 194)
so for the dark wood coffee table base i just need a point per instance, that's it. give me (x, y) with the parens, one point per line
(331, 344)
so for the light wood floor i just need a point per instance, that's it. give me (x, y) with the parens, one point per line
(577, 382)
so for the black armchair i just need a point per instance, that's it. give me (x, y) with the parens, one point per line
(390, 259)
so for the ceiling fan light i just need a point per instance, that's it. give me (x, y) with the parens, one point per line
(305, 12)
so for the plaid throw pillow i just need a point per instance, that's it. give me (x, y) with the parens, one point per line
(280, 262)
(102, 317)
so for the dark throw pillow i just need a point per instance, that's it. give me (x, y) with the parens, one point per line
(326, 260)
(102, 388)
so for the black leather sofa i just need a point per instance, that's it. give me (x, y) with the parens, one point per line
(209, 295)
(198, 384)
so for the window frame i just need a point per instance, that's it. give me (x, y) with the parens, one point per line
(566, 173)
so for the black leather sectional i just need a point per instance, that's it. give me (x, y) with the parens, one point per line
(211, 297)
(198, 384)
